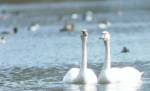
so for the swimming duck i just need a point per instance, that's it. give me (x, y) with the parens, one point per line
(12, 32)
(68, 27)
(2, 39)
(104, 24)
(125, 50)
(34, 27)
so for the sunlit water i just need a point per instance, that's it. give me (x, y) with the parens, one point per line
(37, 61)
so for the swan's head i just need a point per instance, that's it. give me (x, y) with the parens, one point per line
(105, 35)
(84, 33)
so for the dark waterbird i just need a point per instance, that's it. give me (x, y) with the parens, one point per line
(125, 50)
(12, 32)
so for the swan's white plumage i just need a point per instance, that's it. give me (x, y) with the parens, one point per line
(74, 76)
(110, 74)
(131, 74)
(82, 75)
(71, 75)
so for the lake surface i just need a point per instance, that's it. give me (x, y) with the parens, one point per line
(37, 61)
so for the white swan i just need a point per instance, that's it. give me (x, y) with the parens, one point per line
(104, 24)
(34, 27)
(82, 75)
(88, 16)
(109, 74)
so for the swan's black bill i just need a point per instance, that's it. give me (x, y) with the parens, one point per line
(84, 32)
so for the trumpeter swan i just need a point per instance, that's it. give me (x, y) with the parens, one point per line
(109, 74)
(82, 75)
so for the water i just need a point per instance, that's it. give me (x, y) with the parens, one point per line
(37, 61)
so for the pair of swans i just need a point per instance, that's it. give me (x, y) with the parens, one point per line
(108, 74)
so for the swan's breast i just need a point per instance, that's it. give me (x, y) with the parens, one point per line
(71, 75)
(90, 76)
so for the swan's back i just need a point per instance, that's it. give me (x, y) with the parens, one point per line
(71, 75)
(131, 74)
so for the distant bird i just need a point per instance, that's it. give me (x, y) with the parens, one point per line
(2, 39)
(125, 50)
(5, 34)
(34, 27)
(104, 24)
(74, 16)
(69, 27)
(12, 32)
(15, 12)
(110, 74)
(82, 75)
(15, 30)
(88, 16)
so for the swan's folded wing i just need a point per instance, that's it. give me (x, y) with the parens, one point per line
(131, 74)
(71, 75)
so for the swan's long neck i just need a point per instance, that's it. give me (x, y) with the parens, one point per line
(107, 62)
(83, 64)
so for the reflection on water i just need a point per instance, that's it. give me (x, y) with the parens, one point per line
(72, 87)
(104, 87)
(121, 87)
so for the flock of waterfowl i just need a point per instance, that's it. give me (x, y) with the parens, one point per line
(84, 75)
(87, 17)
(14, 30)
(5, 34)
